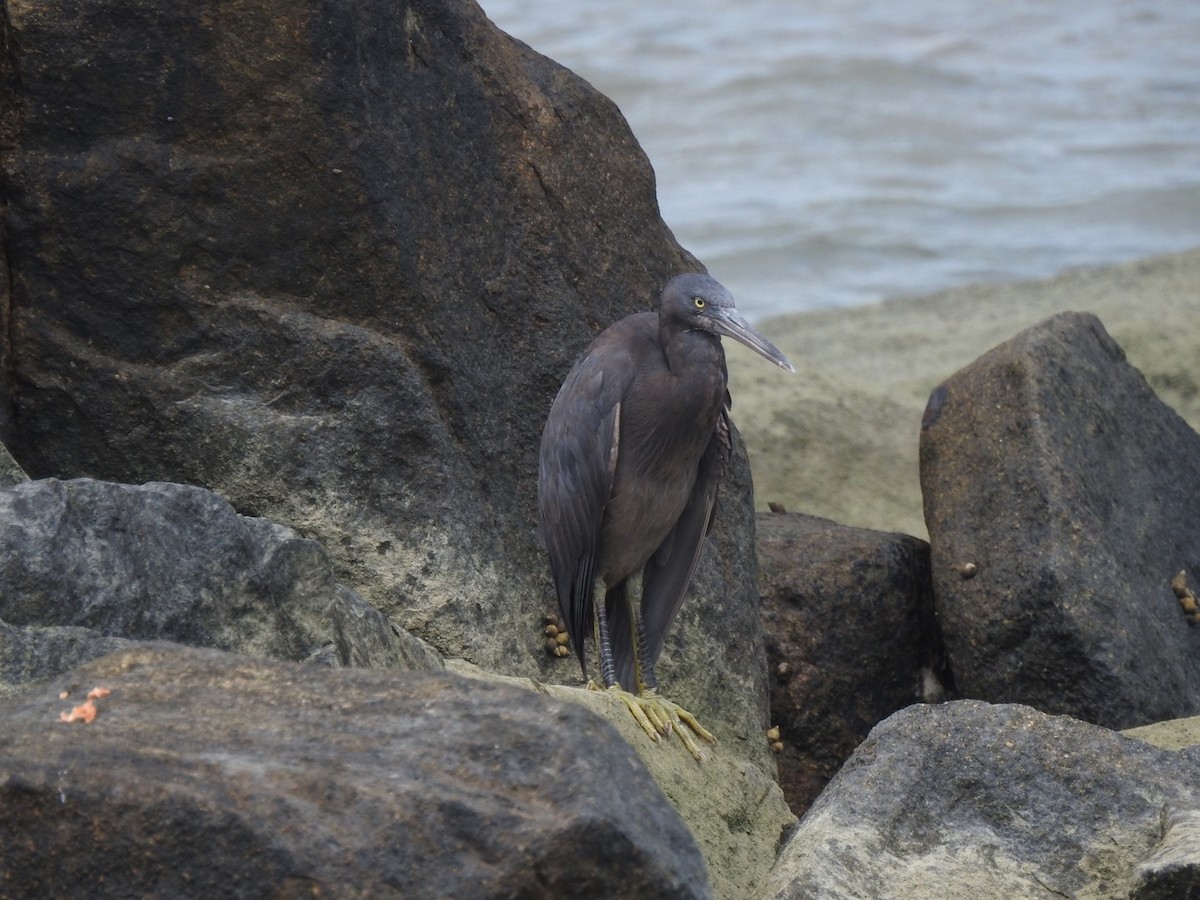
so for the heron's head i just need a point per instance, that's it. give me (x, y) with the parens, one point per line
(697, 302)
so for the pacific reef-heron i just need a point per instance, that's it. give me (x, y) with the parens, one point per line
(632, 455)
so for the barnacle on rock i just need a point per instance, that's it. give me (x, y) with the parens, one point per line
(556, 636)
(773, 740)
(1187, 599)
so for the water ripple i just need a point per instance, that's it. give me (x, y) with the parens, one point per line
(842, 151)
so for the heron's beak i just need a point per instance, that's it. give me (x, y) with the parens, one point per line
(731, 323)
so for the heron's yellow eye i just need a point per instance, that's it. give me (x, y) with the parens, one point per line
(699, 301)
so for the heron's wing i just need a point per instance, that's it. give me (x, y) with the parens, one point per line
(575, 474)
(670, 570)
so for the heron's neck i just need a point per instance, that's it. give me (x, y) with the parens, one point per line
(690, 349)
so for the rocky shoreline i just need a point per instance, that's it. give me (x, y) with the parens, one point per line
(287, 293)
(840, 441)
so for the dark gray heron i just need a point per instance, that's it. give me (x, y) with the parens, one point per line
(632, 455)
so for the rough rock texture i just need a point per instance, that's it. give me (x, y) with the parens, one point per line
(968, 800)
(171, 561)
(1061, 499)
(10, 472)
(209, 774)
(850, 636)
(1172, 871)
(734, 809)
(333, 261)
(34, 653)
(84, 564)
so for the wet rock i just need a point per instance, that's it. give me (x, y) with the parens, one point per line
(1061, 499)
(84, 563)
(850, 636)
(970, 800)
(205, 773)
(333, 262)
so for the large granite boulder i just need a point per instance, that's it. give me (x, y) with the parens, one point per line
(208, 774)
(851, 638)
(1061, 497)
(969, 801)
(333, 262)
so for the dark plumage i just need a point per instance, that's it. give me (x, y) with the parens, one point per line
(631, 458)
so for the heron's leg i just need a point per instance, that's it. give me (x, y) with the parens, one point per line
(643, 669)
(603, 643)
(608, 670)
(665, 715)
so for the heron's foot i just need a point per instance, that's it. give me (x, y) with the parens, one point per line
(634, 704)
(668, 717)
(658, 717)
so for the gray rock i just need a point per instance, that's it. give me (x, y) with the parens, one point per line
(1061, 499)
(851, 637)
(210, 774)
(969, 800)
(32, 654)
(363, 637)
(333, 262)
(83, 563)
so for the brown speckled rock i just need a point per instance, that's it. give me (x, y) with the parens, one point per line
(851, 637)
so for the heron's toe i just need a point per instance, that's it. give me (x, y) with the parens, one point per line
(636, 709)
(670, 717)
(693, 727)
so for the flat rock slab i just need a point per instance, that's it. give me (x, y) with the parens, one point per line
(1061, 497)
(971, 801)
(210, 774)
(851, 638)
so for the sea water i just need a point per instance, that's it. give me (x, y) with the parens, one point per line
(833, 152)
